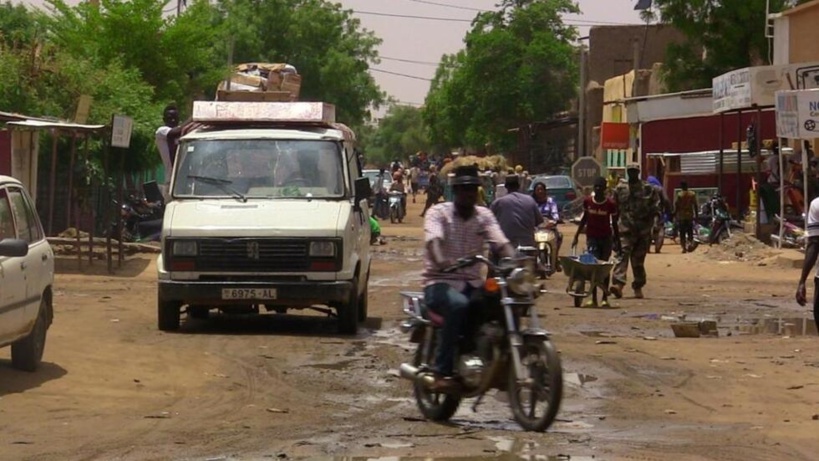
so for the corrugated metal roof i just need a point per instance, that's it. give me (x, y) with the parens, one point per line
(45, 124)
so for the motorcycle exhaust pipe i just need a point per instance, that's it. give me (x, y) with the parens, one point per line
(412, 373)
(408, 371)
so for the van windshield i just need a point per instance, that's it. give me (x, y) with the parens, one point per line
(259, 168)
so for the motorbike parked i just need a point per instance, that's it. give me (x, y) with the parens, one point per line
(716, 212)
(395, 204)
(793, 236)
(504, 349)
(139, 220)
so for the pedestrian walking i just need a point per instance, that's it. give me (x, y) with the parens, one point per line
(638, 203)
(602, 236)
(434, 190)
(811, 253)
(685, 212)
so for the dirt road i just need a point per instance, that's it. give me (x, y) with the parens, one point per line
(113, 387)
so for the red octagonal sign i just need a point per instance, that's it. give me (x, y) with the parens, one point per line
(585, 170)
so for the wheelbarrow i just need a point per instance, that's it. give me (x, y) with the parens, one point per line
(583, 270)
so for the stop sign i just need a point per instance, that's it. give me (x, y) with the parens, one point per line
(585, 170)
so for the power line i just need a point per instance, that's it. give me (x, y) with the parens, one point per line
(426, 63)
(571, 22)
(450, 6)
(409, 16)
(400, 74)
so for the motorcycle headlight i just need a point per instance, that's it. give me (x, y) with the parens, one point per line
(521, 281)
(184, 248)
(322, 249)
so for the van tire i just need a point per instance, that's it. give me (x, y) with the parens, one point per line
(27, 353)
(167, 315)
(362, 306)
(348, 312)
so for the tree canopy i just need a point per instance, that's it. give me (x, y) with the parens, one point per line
(518, 65)
(720, 36)
(133, 57)
(400, 134)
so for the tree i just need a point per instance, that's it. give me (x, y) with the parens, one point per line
(722, 35)
(399, 134)
(324, 42)
(518, 66)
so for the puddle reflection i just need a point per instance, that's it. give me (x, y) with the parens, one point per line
(795, 326)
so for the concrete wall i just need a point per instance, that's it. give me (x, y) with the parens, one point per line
(611, 48)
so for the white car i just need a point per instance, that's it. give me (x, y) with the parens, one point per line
(26, 277)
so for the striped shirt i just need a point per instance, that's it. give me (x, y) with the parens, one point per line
(460, 239)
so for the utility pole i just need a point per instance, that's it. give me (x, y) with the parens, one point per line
(581, 106)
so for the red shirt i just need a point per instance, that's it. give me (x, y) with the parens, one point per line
(599, 217)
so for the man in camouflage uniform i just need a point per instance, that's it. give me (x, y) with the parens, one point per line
(639, 203)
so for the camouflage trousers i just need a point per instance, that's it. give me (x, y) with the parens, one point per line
(634, 248)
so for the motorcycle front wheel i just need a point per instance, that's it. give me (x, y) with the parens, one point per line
(435, 407)
(536, 398)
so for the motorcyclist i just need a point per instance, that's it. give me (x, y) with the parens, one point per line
(399, 186)
(548, 208)
(454, 230)
(517, 213)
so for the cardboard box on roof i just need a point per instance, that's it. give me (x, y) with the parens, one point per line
(276, 78)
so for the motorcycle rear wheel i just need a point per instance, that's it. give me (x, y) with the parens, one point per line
(435, 407)
(543, 384)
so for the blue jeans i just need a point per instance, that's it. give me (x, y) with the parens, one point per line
(453, 306)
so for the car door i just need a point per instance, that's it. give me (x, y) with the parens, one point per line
(12, 282)
(38, 265)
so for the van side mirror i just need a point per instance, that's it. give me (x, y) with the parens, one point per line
(363, 191)
(13, 247)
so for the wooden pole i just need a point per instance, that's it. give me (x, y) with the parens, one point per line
(739, 162)
(71, 178)
(120, 193)
(53, 182)
(721, 151)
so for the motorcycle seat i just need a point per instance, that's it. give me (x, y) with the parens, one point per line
(435, 318)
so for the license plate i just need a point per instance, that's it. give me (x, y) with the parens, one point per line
(248, 293)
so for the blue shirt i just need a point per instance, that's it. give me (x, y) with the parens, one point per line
(548, 209)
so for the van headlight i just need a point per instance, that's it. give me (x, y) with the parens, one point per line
(322, 249)
(521, 281)
(184, 248)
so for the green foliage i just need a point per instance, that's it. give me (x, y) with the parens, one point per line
(324, 42)
(399, 134)
(18, 27)
(730, 31)
(518, 66)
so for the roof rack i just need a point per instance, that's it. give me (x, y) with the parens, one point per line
(233, 112)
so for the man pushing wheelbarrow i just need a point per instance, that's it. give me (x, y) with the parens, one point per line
(600, 222)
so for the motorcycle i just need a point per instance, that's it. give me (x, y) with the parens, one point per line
(396, 207)
(502, 349)
(545, 239)
(658, 232)
(715, 211)
(793, 236)
(139, 220)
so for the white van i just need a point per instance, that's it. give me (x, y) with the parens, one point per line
(268, 211)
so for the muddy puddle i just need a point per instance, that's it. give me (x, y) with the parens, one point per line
(782, 326)
(498, 456)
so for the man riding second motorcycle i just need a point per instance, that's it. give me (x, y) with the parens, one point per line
(454, 230)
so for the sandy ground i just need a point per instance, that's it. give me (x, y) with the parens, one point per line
(113, 387)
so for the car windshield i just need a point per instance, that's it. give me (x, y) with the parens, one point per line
(554, 182)
(259, 168)
(372, 175)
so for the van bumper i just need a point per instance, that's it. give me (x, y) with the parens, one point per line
(211, 292)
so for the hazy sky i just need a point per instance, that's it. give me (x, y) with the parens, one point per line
(426, 40)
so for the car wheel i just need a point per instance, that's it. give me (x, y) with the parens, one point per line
(348, 313)
(167, 314)
(27, 353)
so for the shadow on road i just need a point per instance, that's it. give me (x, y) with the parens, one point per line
(279, 324)
(14, 381)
